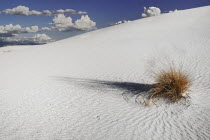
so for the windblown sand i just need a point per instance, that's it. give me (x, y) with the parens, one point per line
(72, 89)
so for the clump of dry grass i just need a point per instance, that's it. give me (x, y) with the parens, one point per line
(170, 84)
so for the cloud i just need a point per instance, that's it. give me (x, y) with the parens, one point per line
(63, 23)
(46, 29)
(82, 13)
(31, 29)
(41, 38)
(21, 10)
(173, 11)
(61, 11)
(10, 41)
(47, 13)
(12, 30)
(85, 23)
(120, 22)
(9, 30)
(151, 11)
(9, 35)
(35, 40)
(25, 11)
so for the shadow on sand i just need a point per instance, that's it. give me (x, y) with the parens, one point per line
(128, 89)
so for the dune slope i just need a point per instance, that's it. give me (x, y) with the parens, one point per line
(72, 89)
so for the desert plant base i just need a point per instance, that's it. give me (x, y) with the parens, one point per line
(170, 85)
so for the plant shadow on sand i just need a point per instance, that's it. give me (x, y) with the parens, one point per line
(128, 89)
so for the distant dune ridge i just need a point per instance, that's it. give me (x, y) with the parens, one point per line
(84, 87)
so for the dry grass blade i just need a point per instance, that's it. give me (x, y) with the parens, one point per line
(170, 84)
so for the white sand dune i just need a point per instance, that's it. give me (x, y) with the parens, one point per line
(72, 89)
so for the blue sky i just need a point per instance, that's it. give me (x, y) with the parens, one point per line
(103, 12)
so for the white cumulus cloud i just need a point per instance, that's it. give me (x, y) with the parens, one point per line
(85, 23)
(25, 11)
(151, 11)
(11, 30)
(46, 29)
(63, 23)
(21, 10)
(32, 29)
(41, 38)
